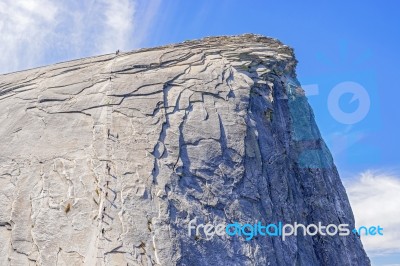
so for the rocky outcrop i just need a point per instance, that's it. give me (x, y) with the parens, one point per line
(105, 160)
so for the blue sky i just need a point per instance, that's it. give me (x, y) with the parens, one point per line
(334, 42)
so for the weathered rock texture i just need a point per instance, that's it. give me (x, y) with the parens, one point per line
(105, 160)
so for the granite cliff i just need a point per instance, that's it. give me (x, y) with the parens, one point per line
(105, 160)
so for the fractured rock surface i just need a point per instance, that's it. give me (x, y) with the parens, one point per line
(105, 160)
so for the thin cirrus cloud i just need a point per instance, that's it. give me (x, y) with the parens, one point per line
(24, 26)
(375, 200)
(35, 33)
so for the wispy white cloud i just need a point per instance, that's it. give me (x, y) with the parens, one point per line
(118, 25)
(24, 26)
(147, 12)
(39, 32)
(375, 200)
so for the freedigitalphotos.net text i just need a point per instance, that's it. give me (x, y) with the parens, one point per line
(248, 231)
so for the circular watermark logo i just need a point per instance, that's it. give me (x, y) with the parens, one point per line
(359, 93)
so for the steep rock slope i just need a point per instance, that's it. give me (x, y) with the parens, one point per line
(105, 160)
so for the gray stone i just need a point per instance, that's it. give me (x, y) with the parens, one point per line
(105, 160)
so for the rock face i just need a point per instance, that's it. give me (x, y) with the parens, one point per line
(105, 160)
